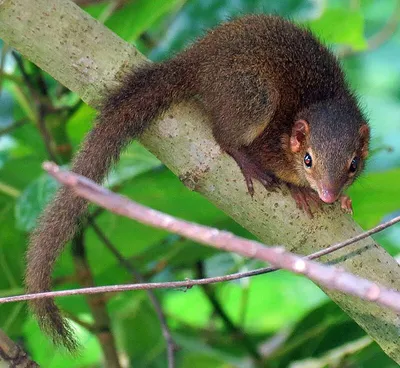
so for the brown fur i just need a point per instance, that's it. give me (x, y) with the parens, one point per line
(251, 73)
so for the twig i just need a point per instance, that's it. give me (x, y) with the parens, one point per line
(17, 124)
(380, 37)
(148, 41)
(328, 276)
(26, 77)
(345, 243)
(83, 3)
(336, 357)
(187, 284)
(3, 55)
(170, 343)
(231, 326)
(40, 81)
(97, 304)
(46, 136)
(191, 283)
(9, 190)
(335, 247)
(13, 354)
(42, 103)
(86, 325)
(86, 2)
(74, 108)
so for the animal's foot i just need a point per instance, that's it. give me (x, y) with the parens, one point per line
(306, 199)
(346, 204)
(250, 171)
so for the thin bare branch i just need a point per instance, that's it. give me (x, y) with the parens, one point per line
(328, 276)
(354, 239)
(82, 3)
(3, 54)
(17, 124)
(45, 133)
(170, 343)
(97, 304)
(190, 283)
(236, 331)
(337, 246)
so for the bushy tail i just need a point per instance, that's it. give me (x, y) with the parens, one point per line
(125, 114)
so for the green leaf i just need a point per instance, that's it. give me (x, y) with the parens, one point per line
(134, 161)
(12, 254)
(48, 356)
(204, 360)
(282, 302)
(137, 16)
(340, 26)
(32, 201)
(371, 357)
(80, 123)
(199, 349)
(23, 101)
(318, 332)
(19, 172)
(160, 190)
(95, 9)
(375, 195)
(138, 329)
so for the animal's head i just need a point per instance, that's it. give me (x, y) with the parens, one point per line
(330, 141)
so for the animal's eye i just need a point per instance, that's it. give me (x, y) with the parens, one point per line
(354, 165)
(307, 160)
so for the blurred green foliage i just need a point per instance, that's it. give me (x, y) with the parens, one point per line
(288, 317)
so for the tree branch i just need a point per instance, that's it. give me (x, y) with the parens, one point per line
(17, 124)
(89, 59)
(13, 355)
(169, 341)
(328, 276)
(235, 331)
(97, 304)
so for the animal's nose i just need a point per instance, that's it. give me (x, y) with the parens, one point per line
(328, 195)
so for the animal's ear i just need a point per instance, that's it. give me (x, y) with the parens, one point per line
(364, 133)
(300, 131)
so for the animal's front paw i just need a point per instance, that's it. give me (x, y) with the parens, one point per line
(346, 204)
(251, 170)
(306, 199)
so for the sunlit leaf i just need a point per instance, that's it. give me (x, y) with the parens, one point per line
(32, 201)
(340, 26)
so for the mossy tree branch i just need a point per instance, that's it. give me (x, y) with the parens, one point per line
(89, 59)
